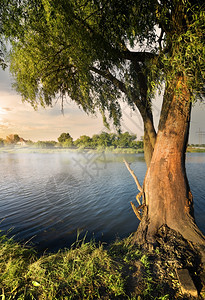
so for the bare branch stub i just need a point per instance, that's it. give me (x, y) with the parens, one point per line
(134, 176)
(135, 209)
(138, 197)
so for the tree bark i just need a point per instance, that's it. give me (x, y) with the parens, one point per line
(149, 140)
(168, 199)
(146, 112)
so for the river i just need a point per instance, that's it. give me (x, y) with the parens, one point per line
(48, 199)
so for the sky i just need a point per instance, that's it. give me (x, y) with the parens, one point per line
(47, 124)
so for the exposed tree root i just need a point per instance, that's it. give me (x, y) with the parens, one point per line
(170, 253)
(180, 242)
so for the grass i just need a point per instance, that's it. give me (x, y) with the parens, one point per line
(86, 271)
(111, 149)
(121, 270)
(195, 150)
(20, 149)
(83, 272)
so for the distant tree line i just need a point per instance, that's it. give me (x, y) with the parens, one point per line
(103, 140)
(197, 145)
(97, 141)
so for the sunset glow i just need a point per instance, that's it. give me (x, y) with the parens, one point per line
(49, 123)
(2, 112)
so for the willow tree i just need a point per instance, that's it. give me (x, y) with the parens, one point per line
(103, 53)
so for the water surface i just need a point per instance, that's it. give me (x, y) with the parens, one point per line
(48, 198)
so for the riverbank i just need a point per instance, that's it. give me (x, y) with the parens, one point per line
(196, 149)
(94, 271)
(25, 149)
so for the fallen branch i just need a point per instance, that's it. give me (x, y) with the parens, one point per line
(134, 176)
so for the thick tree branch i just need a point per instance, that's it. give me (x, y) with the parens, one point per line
(137, 56)
(141, 104)
(113, 79)
(119, 84)
(160, 39)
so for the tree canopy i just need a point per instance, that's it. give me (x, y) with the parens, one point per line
(64, 137)
(86, 50)
(12, 139)
(101, 53)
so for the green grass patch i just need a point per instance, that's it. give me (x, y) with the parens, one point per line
(85, 271)
(25, 149)
(195, 150)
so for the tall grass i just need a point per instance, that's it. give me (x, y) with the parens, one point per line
(83, 272)
(86, 271)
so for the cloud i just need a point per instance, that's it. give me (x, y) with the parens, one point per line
(7, 108)
(48, 123)
(43, 124)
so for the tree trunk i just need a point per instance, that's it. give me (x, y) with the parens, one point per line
(149, 139)
(167, 195)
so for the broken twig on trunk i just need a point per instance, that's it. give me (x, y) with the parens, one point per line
(139, 195)
(133, 175)
(137, 209)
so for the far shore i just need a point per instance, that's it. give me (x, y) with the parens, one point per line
(30, 149)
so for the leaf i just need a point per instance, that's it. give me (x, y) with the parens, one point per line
(35, 283)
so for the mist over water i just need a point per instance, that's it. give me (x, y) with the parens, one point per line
(49, 198)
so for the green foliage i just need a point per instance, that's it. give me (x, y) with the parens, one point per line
(140, 144)
(86, 271)
(65, 140)
(1, 142)
(83, 141)
(30, 143)
(64, 137)
(103, 140)
(57, 47)
(86, 50)
(130, 255)
(68, 143)
(126, 140)
(13, 264)
(188, 54)
(45, 144)
(108, 141)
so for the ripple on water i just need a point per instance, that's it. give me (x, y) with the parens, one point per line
(50, 197)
